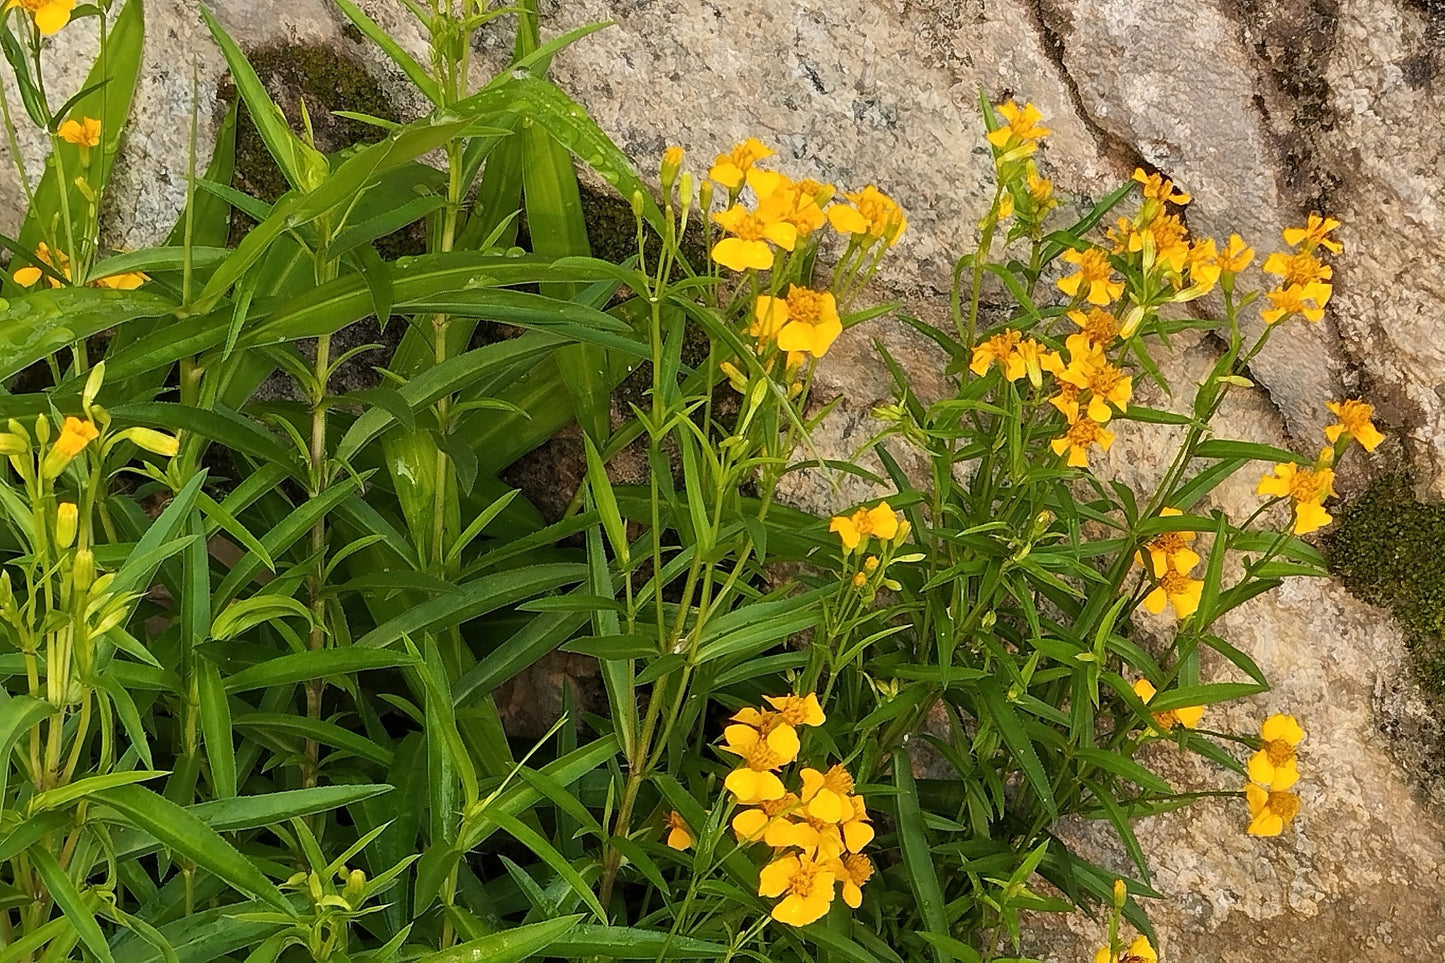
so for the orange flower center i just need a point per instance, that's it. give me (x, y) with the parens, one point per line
(1170, 543)
(857, 868)
(838, 780)
(1283, 804)
(1307, 485)
(805, 880)
(1082, 433)
(1094, 265)
(1279, 751)
(749, 227)
(1105, 379)
(1304, 268)
(1173, 583)
(804, 305)
(1100, 326)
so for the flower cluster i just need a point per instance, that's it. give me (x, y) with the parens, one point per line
(1272, 771)
(1304, 286)
(855, 530)
(50, 16)
(1307, 486)
(1023, 191)
(817, 833)
(59, 264)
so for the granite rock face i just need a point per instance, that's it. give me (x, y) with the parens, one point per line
(1263, 109)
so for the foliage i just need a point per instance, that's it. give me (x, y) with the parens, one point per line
(253, 640)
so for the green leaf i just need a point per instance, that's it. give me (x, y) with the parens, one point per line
(184, 833)
(215, 711)
(245, 614)
(587, 940)
(40, 323)
(508, 946)
(74, 905)
(315, 664)
(266, 809)
(1002, 716)
(18, 715)
(917, 854)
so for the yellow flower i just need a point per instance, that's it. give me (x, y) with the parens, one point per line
(1307, 487)
(779, 199)
(808, 885)
(1097, 329)
(798, 710)
(1041, 190)
(873, 214)
(1301, 268)
(678, 835)
(121, 282)
(56, 260)
(825, 794)
(83, 134)
(852, 872)
(1176, 589)
(1107, 385)
(1314, 234)
(769, 822)
(1270, 810)
(749, 247)
(1005, 206)
(74, 436)
(1094, 280)
(1159, 188)
(769, 316)
(1186, 716)
(1354, 416)
(1274, 766)
(50, 16)
(671, 164)
(806, 321)
(1139, 951)
(1169, 549)
(1203, 264)
(1020, 130)
(731, 168)
(857, 828)
(1169, 239)
(1307, 300)
(1003, 349)
(1083, 433)
(1236, 255)
(1035, 359)
(761, 755)
(1067, 401)
(855, 529)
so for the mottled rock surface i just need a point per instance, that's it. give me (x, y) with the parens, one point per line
(1264, 110)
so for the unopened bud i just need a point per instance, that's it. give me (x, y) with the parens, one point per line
(12, 444)
(735, 377)
(1132, 320)
(156, 442)
(82, 572)
(870, 564)
(42, 429)
(92, 385)
(66, 519)
(355, 890)
(904, 528)
(671, 164)
(704, 196)
(637, 203)
(860, 580)
(1121, 893)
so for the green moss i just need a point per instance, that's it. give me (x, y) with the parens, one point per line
(1387, 551)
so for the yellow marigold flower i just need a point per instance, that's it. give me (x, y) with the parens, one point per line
(1270, 810)
(1169, 238)
(798, 710)
(1236, 255)
(1005, 206)
(1159, 188)
(1354, 416)
(769, 316)
(852, 872)
(769, 822)
(750, 247)
(806, 320)
(58, 261)
(50, 16)
(873, 214)
(1067, 400)
(1035, 359)
(1169, 550)
(1041, 189)
(1274, 766)
(1300, 268)
(1083, 433)
(1003, 349)
(74, 436)
(1139, 951)
(1307, 487)
(855, 529)
(857, 827)
(121, 282)
(85, 133)
(779, 199)
(761, 756)
(731, 168)
(1186, 716)
(808, 885)
(825, 794)
(1094, 280)
(1176, 589)
(1021, 130)
(1314, 234)
(1107, 384)
(1097, 329)
(1307, 300)
(678, 835)
(814, 837)
(1203, 264)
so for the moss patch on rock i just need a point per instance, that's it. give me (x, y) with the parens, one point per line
(1387, 551)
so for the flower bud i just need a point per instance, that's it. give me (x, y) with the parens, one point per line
(1121, 893)
(870, 564)
(82, 572)
(66, 519)
(671, 164)
(42, 429)
(735, 377)
(156, 442)
(704, 197)
(1132, 320)
(12, 444)
(637, 206)
(903, 529)
(92, 385)
(684, 192)
(355, 889)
